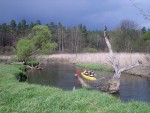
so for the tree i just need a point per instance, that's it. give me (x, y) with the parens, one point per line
(145, 14)
(23, 27)
(5, 39)
(31, 26)
(146, 39)
(38, 22)
(25, 48)
(19, 26)
(39, 42)
(146, 36)
(40, 35)
(52, 27)
(60, 37)
(13, 31)
(13, 26)
(125, 36)
(114, 83)
(143, 30)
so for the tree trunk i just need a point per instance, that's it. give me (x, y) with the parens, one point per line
(114, 83)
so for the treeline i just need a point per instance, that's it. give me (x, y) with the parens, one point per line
(126, 38)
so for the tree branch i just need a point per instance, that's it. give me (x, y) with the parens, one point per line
(146, 15)
(115, 63)
(131, 66)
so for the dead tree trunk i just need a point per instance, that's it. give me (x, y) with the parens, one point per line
(114, 83)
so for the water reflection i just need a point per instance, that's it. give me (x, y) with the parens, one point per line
(57, 75)
(62, 75)
(134, 88)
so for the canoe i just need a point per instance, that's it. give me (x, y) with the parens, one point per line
(87, 77)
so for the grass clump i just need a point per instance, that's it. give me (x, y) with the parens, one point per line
(98, 67)
(32, 62)
(16, 97)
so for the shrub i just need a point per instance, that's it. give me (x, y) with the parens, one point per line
(32, 62)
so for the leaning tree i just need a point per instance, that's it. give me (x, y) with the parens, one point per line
(113, 84)
(105, 84)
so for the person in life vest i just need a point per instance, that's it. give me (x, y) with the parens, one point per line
(86, 72)
(92, 73)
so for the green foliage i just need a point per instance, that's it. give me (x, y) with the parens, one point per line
(40, 41)
(146, 36)
(143, 30)
(24, 49)
(98, 67)
(124, 38)
(48, 47)
(15, 69)
(19, 66)
(32, 62)
(87, 87)
(13, 25)
(91, 50)
(39, 30)
(29, 98)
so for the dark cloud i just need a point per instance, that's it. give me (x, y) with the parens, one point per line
(93, 13)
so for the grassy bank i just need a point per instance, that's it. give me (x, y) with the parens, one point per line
(16, 97)
(98, 67)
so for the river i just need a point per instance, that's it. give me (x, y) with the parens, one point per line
(132, 88)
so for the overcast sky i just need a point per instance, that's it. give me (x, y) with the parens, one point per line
(95, 14)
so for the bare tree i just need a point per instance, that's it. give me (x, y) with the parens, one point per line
(60, 35)
(124, 38)
(145, 14)
(114, 83)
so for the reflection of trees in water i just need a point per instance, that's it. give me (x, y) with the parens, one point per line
(58, 75)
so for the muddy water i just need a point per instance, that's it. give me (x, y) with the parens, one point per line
(62, 76)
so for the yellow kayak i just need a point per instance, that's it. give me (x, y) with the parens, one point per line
(87, 77)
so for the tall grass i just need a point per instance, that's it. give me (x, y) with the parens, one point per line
(99, 58)
(16, 97)
(124, 59)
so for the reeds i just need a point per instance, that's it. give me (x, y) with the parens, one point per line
(100, 58)
(124, 59)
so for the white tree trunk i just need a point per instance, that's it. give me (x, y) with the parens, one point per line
(114, 62)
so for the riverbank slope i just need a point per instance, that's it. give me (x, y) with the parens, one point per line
(23, 97)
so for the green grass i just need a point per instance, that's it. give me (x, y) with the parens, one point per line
(16, 97)
(98, 67)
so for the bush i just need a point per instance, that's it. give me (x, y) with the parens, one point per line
(24, 49)
(32, 62)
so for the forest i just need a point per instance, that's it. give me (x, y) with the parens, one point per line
(127, 37)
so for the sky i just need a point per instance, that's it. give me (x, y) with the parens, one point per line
(95, 14)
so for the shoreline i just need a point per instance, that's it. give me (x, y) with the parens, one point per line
(124, 59)
(20, 96)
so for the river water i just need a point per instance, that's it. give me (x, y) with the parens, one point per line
(132, 88)
(56, 75)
